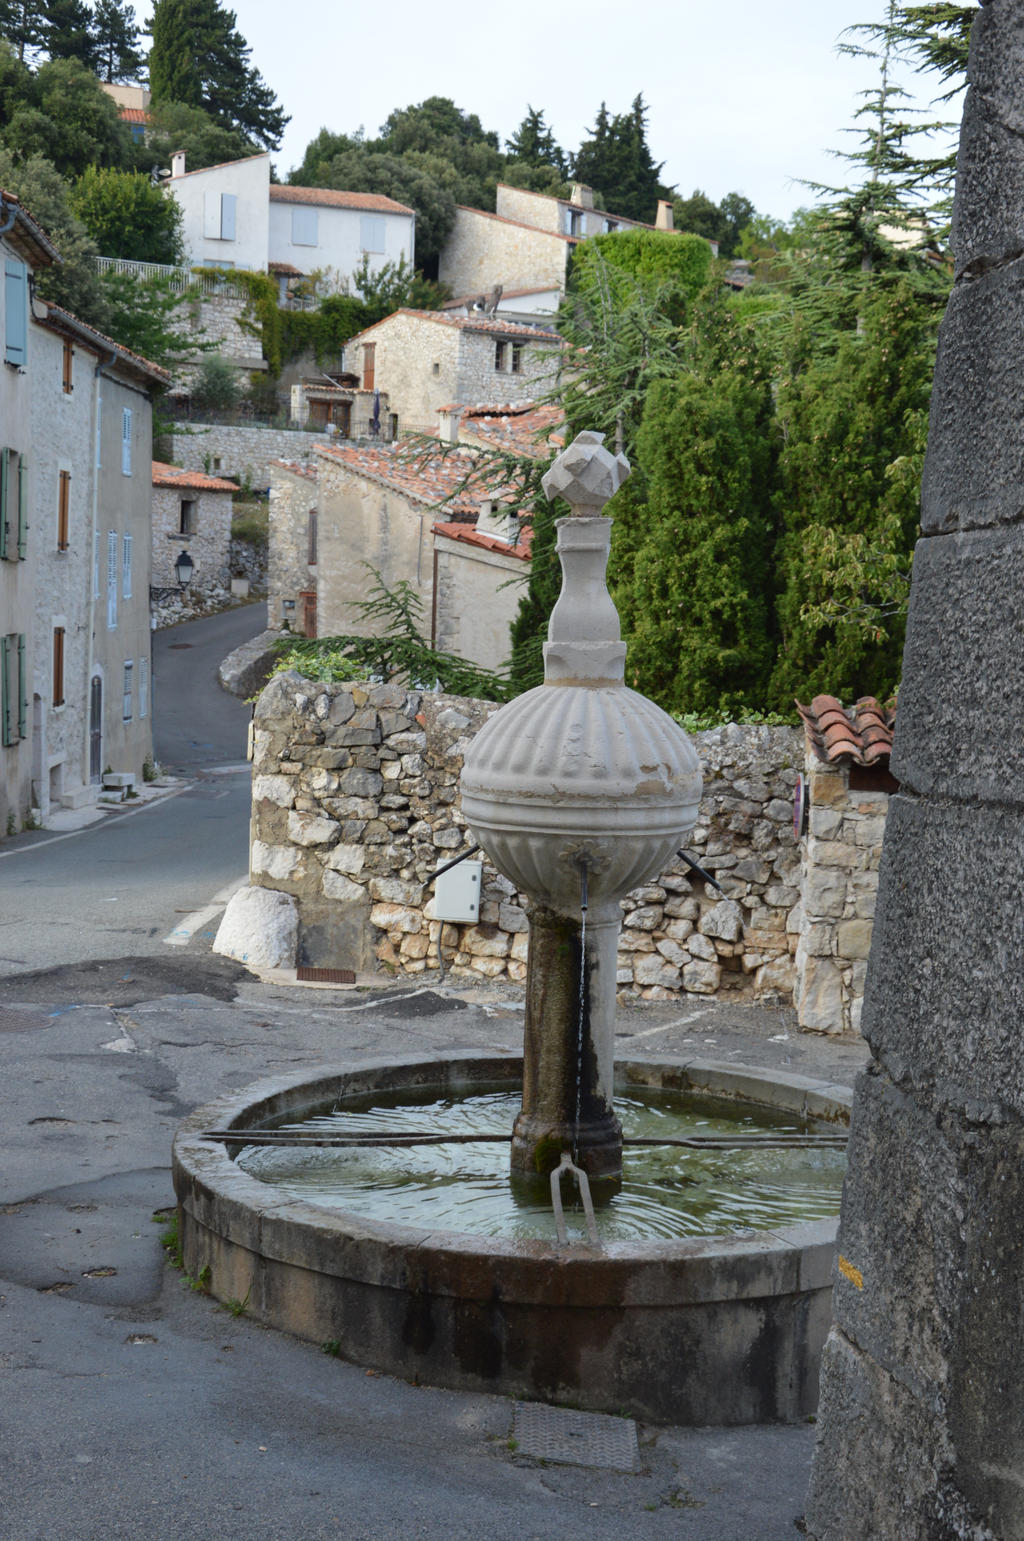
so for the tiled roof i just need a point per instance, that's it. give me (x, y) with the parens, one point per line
(526, 428)
(195, 481)
(133, 115)
(470, 536)
(861, 733)
(261, 155)
(467, 324)
(506, 294)
(286, 269)
(519, 224)
(329, 197)
(422, 475)
(27, 237)
(297, 468)
(62, 320)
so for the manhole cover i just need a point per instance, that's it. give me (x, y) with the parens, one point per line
(179, 647)
(307, 974)
(16, 1019)
(575, 1439)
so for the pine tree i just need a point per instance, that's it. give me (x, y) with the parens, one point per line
(534, 144)
(116, 35)
(23, 24)
(616, 161)
(69, 32)
(201, 59)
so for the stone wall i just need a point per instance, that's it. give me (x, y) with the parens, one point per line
(207, 542)
(480, 379)
(355, 806)
(839, 882)
(293, 495)
(239, 450)
(484, 250)
(415, 366)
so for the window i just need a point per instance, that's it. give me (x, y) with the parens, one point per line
(187, 517)
(126, 703)
(304, 231)
(500, 349)
(143, 686)
(112, 580)
(69, 354)
(126, 441)
(436, 368)
(13, 688)
(517, 358)
(58, 666)
(311, 538)
(13, 505)
(369, 363)
(371, 232)
(64, 511)
(126, 567)
(16, 313)
(574, 221)
(219, 216)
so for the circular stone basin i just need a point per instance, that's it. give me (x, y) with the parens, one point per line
(698, 1330)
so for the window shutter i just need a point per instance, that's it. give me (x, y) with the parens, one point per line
(371, 232)
(22, 687)
(126, 704)
(228, 206)
(126, 441)
(5, 691)
(304, 227)
(112, 580)
(22, 506)
(58, 666)
(95, 564)
(143, 686)
(211, 216)
(16, 312)
(5, 460)
(126, 567)
(64, 511)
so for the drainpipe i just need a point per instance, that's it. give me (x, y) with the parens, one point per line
(9, 225)
(97, 396)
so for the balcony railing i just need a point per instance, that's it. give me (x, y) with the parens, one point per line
(183, 280)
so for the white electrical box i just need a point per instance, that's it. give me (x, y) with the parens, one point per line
(457, 892)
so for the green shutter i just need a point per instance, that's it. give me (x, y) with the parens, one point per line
(22, 688)
(22, 505)
(4, 457)
(5, 694)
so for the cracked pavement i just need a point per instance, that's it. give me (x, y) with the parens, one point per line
(133, 1407)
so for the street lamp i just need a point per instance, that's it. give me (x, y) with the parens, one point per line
(183, 567)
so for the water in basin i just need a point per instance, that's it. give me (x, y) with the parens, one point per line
(666, 1192)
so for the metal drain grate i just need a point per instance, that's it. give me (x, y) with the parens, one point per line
(575, 1439)
(325, 976)
(18, 1019)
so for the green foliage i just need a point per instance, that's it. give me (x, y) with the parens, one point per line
(23, 26)
(616, 161)
(178, 126)
(324, 330)
(116, 35)
(676, 266)
(128, 216)
(533, 145)
(396, 650)
(216, 386)
(148, 315)
(200, 58)
(75, 283)
(69, 32)
(530, 626)
(392, 286)
(66, 117)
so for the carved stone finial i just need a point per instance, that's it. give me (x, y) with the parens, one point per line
(585, 474)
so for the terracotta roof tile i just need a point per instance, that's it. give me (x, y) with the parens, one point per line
(196, 481)
(467, 324)
(297, 468)
(860, 733)
(333, 198)
(422, 475)
(62, 320)
(133, 115)
(526, 427)
(468, 534)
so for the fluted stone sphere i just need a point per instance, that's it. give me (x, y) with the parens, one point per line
(567, 774)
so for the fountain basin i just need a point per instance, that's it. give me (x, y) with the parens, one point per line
(703, 1330)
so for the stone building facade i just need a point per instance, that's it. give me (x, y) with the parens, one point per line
(356, 806)
(480, 572)
(424, 359)
(484, 250)
(240, 450)
(292, 547)
(191, 512)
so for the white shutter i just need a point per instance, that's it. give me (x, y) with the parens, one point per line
(228, 204)
(112, 580)
(211, 216)
(143, 686)
(126, 567)
(126, 704)
(126, 441)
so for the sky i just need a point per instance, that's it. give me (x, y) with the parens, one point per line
(744, 96)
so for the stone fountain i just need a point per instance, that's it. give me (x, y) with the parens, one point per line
(577, 791)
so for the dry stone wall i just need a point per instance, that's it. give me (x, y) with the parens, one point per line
(239, 450)
(356, 806)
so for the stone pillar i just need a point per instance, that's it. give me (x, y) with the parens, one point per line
(569, 1045)
(921, 1427)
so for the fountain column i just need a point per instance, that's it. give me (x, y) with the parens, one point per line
(578, 791)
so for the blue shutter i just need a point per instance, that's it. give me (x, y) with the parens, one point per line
(228, 202)
(16, 312)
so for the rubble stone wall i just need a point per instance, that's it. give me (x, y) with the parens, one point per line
(482, 251)
(240, 450)
(356, 806)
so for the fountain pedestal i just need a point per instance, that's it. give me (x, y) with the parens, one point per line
(578, 791)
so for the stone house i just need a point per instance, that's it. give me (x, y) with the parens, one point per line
(234, 217)
(24, 249)
(344, 409)
(89, 497)
(526, 243)
(292, 548)
(843, 800)
(191, 512)
(423, 359)
(479, 575)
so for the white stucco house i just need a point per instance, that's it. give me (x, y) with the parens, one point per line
(233, 216)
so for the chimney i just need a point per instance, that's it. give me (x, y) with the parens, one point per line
(448, 424)
(177, 164)
(582, 195)
(497, 520)
(664, 220)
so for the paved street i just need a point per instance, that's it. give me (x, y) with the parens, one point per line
(133, 1408)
